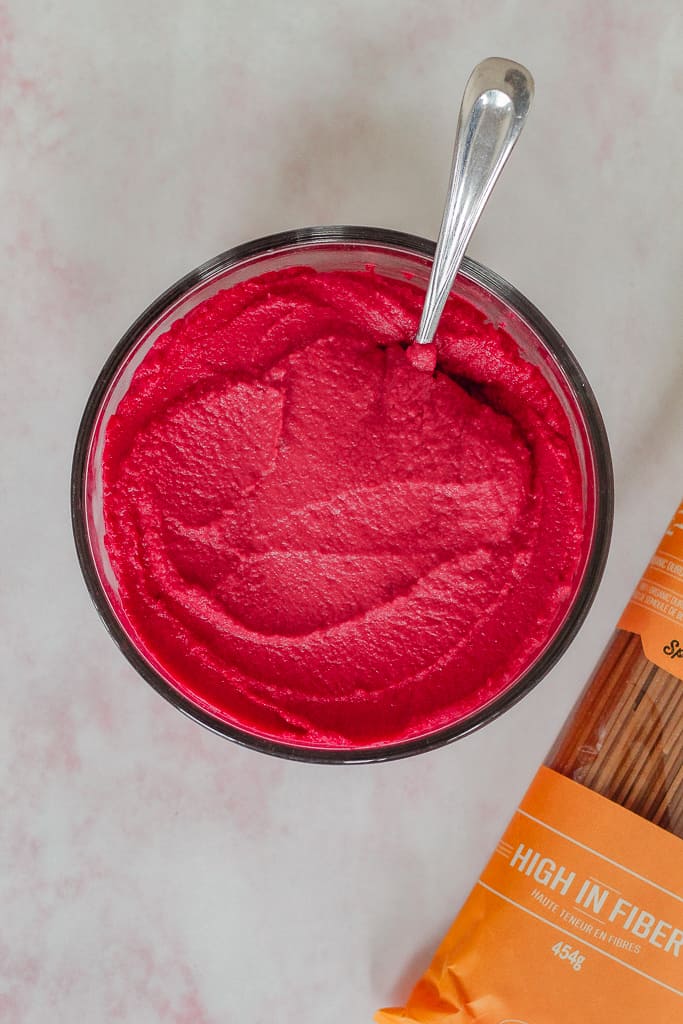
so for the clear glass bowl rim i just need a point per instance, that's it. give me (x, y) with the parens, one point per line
(346, 235)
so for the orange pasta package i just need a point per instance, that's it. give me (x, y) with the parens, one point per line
(578, 915)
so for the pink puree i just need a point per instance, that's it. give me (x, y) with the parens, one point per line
(318, 540)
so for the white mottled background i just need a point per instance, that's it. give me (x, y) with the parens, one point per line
(151, 872)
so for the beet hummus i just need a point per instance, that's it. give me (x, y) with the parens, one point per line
(323, 543)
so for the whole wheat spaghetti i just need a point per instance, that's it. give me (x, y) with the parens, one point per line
(579, 914)
(625, 739)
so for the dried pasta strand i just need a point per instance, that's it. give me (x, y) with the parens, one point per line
(603, 689)
(666, 736)
(647, 733)
(625, 739)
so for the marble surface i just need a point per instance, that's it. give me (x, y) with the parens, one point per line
(150, 871)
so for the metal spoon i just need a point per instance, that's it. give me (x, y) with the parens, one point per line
(492, 114)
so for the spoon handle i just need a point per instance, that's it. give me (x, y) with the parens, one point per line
(492, 114)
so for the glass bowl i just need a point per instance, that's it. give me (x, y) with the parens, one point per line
(393, 254)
